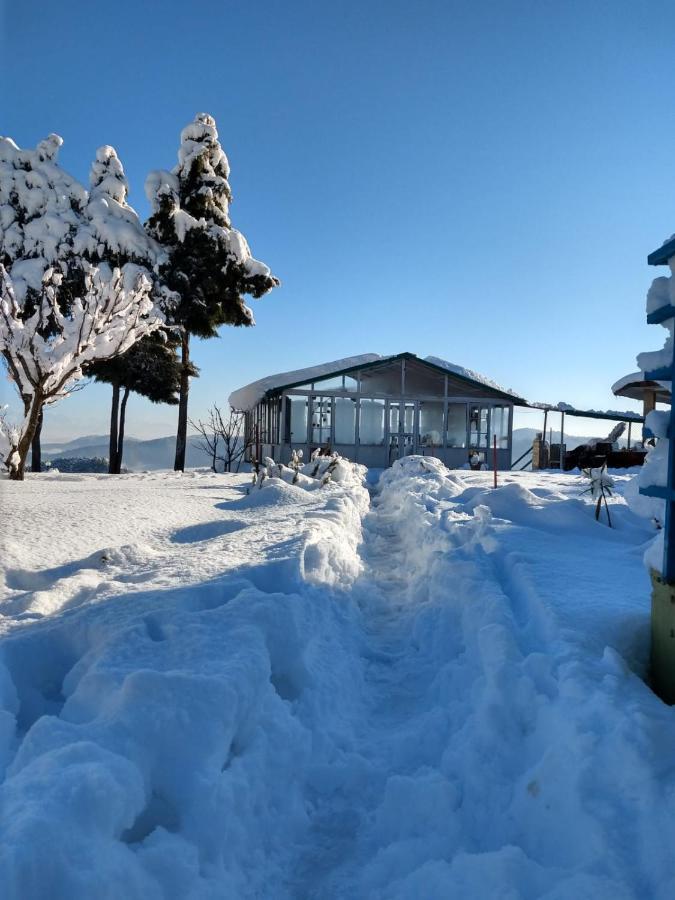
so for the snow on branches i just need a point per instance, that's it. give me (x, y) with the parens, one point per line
(321, 470)
(45, 351)
(76, 281)
(600, 488)
(190, 213)
(208, 263)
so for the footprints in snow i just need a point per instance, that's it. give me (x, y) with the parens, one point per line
(78, 578)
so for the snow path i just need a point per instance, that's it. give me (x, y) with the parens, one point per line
(289, 695)
(392, 688)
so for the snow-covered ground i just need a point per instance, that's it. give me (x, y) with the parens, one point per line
(432, 693)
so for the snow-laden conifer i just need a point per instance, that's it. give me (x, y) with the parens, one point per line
(209, 263)
(150, 366)
(68, 294)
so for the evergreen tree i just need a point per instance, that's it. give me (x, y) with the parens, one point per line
(152, 369)
(208, 263)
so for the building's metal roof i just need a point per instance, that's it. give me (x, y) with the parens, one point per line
(247, 397)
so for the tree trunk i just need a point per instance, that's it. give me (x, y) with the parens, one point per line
(120, 436)
(32, 414)
(36, 447)
(114, 415)
(181, 436)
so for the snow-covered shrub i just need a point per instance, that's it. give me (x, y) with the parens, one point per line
(319, 471)
(600, 488)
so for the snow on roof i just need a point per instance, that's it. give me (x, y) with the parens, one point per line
(622, 415)
(631, 378)
(247, 397)
(635, 385)
(468, 373)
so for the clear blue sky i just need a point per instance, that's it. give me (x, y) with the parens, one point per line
(480, 182)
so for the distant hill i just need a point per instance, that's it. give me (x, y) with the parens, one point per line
(139, 455)
(64, 448)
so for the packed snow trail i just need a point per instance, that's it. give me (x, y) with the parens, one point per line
(247, 703)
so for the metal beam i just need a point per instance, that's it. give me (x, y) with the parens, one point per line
(661, 256)
(662, 314)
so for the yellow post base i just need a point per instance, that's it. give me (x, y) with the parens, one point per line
(663, 638)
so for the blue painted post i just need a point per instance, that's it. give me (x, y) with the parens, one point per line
(663, 583)
(665, 373)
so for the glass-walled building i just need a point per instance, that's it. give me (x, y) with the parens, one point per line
(375, 409)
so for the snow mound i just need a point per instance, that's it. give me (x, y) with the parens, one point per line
(273, 492)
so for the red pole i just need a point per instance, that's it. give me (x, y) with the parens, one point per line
(494, 455)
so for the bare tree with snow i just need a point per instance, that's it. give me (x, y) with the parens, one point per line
(223, 438)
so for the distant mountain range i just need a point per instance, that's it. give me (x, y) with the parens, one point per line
(139, 455)
(159, 453)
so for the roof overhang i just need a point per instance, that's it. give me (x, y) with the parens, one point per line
(637, 387)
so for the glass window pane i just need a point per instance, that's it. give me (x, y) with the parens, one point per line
(330, 382)
(457, 425)
(296, 420)
(431, 423)
(371, 422)
(409, 418)
(345, 420)
(394, 417)
(500, 425)
(351, 384)
(321, 419)
(478, 426)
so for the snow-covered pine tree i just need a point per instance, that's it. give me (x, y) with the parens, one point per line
(150, 367)
(64, 301)
(209, 263)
